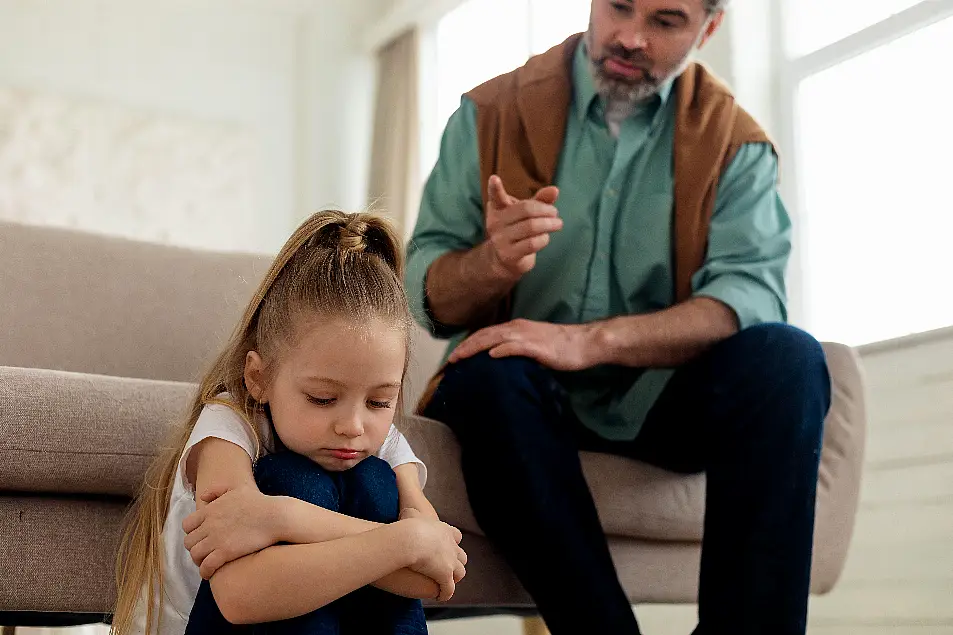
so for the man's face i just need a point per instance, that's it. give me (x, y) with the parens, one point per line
(636, 45)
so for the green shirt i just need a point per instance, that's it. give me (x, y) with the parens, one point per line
(614, 254)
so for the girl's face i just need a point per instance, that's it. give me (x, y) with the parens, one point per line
(334, 394)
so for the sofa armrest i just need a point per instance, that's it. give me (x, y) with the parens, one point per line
(842, 462)
(73, 433)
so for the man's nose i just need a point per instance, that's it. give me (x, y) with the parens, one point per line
(632, 37)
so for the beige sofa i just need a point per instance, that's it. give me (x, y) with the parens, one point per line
(101, 338)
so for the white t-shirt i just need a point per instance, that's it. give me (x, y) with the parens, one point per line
(617, 111)
(181, 575)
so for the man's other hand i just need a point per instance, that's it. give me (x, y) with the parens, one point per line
(564, 347)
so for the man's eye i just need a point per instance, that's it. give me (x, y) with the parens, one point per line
(319, 401)
(379, 405)
(665, 24)
(621, 7)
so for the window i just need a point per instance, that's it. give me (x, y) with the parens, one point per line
(552, 21)
(873, 132)
(813, 24)
(476, 42)
(481, 39)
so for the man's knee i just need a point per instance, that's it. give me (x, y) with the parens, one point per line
(291, 474)
(489, 389)
(371, 491)
(793, 367)
(481, 375)
(786, 353)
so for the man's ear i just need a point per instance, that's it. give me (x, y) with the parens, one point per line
(255, 376)
(712, 27)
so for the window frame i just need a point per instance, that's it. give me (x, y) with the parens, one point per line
(792, 70)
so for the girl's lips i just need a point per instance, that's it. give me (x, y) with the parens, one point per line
(343, 454)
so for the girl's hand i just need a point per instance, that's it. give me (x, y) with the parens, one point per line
(235, 523)
(437, 551)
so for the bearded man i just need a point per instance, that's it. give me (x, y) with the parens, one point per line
(603, 241)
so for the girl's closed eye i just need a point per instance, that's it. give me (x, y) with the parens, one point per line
(379, 405)
(321, 401)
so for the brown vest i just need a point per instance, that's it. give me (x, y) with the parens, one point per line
(521, 125)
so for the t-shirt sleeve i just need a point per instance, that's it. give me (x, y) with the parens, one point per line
(221, 422)
(397, 451)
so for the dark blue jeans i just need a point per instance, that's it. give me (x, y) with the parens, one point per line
(368, 491)
(749, 413)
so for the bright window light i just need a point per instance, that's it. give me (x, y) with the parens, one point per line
(874, 139)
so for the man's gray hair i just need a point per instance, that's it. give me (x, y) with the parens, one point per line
(714, 6)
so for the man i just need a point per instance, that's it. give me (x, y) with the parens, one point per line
(626, 262)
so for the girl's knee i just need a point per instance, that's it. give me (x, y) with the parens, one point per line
(371, 491)
(291, 474)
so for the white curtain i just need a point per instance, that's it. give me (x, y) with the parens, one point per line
(394, 182)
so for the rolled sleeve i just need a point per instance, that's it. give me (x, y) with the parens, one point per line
(451, 211)
(749, 241)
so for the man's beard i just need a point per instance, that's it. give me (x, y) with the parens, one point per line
(619, 91)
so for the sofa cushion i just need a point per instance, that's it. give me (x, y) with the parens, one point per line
(636, 500)
(52, 565)
(633, 499)
(73, 433)
(89, 303)
(88, 434)
(59, 554)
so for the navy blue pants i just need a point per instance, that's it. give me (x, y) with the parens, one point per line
(749, 413)
(368, 491)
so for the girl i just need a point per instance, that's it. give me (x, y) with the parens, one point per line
(330, 531)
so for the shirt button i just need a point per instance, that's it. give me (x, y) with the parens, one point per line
(611, 192)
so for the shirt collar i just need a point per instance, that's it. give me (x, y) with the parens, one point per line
(585, 88)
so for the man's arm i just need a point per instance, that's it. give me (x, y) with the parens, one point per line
(462, 285)
(657, 340)
(740, 284)
(462, 262)
(665, 339)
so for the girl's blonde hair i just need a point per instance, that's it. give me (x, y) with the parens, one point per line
(334, 265)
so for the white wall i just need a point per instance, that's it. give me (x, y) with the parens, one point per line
(288, 73)
(337, 77)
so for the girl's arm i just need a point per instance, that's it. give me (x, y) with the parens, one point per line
(266, 586)
(410, 493)
(221, 466)
(217, 465)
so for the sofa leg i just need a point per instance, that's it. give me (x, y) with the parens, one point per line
(8, 630)
(534, 626)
